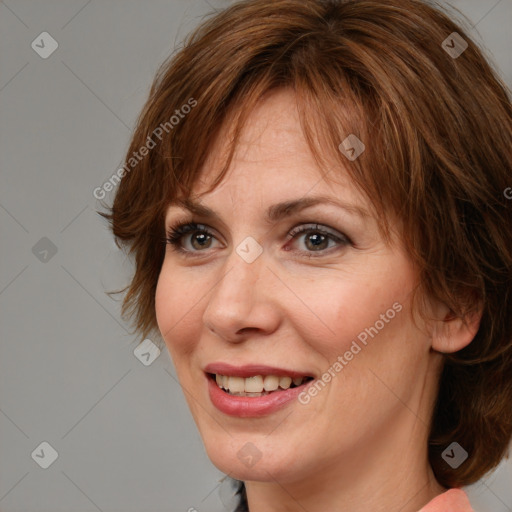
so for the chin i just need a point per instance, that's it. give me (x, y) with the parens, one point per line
(245, 459)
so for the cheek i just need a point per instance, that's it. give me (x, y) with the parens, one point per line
(174, 308)
(369, 305)
(372, 340)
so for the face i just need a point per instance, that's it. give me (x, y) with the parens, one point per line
(272, 293)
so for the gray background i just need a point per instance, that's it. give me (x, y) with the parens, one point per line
(122, 430)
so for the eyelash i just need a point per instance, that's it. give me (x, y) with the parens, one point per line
(178, 231)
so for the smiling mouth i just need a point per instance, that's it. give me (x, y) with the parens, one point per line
(257, 385)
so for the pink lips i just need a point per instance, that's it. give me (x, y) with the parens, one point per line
(245, 407)
(249, 370)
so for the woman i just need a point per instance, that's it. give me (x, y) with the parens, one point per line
(314, 196)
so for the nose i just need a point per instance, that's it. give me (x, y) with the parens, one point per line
(244, 300)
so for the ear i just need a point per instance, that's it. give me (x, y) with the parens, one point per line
(452, 333)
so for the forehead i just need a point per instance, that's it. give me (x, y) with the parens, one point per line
(271, 156)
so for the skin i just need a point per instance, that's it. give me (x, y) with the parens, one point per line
(361, 443)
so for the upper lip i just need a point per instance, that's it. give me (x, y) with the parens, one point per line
(250, 370)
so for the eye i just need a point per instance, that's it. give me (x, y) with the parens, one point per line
(317, 238)
(201, 237)
(198, 237)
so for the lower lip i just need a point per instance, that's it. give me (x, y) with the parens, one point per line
(250, 407)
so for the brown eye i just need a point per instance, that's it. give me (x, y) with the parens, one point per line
(203, 240)
(196, 235)
(317, 239)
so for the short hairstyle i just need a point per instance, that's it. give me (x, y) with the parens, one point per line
(436, 121)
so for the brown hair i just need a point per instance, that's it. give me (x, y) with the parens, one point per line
(438, 134)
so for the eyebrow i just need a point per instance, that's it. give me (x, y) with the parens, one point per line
(277, 211)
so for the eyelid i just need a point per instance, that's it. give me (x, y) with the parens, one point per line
(341, 240)
(178, 230)
(315, 226)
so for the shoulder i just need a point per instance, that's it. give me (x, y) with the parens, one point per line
(453, 500)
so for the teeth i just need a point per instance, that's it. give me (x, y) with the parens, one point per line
(285, 382)
(271, 383)
(256, 385)
(235, 384)
(252, 384)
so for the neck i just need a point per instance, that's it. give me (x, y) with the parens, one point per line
(390, 473)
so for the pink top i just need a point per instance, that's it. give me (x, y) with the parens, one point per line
(453, 500)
